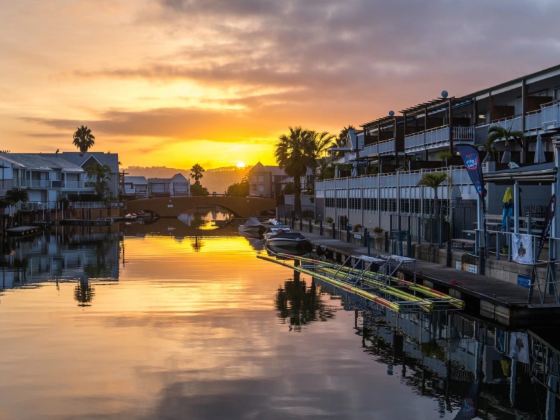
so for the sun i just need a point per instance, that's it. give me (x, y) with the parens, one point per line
(240, 164)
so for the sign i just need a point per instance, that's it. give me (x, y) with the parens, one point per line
(524, 281)
(550, 211)
(471, 159)
(522, 248)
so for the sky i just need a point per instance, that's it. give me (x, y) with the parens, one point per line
(175, 82)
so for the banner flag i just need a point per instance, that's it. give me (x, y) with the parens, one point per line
(471, 159)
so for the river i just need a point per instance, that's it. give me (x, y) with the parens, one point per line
(153, 321)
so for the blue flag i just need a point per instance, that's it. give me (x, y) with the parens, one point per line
(471, 159)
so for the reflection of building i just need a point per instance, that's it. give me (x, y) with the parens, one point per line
(447, 355)
(49, 258)
(175, 186)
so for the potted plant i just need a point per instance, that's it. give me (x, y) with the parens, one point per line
(357, 228)
(329, 220)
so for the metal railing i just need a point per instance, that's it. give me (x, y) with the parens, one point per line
(550, 115)
(437, 137)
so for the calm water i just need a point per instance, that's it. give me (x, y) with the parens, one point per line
(135, 325)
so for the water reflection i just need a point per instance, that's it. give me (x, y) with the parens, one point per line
(198, 328)
(68, 254)
(469, 366)
(301, 305)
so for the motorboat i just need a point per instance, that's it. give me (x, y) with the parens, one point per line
(252, 227)
(274, 227)
(282, 241)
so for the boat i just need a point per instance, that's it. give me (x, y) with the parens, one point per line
(282, 241)
(274, 227)
(252, 227)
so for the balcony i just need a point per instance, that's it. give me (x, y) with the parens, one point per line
(533, 120)
(437, 138)
(550, 115)
(510, 123)
(386, 147)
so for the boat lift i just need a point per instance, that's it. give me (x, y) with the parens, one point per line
(380, 286)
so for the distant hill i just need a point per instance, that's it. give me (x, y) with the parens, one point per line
(215, 180)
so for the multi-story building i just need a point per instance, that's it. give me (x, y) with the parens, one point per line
(389, 156)
(266, 181)
(48, 177)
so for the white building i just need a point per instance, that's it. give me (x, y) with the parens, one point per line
(177, 185)
(135, 186)
(48, 177)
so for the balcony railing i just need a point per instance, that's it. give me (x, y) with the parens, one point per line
(533, 120)
(509, 123)
(387, 147)
(370, 150)
(49, 184)
(437, 137)
(550, 115)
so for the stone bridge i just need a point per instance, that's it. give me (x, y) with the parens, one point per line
(173, 206)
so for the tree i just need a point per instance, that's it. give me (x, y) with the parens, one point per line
(318, 146)
(293, 155)
(239, 189)
(197, 173)
(83, 138)
(198, 190)
(101, 174)
(497, 132)
(342, 138)
(433, 180)
(15, 195)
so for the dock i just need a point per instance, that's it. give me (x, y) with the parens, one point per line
(494, 299)
(23, 230)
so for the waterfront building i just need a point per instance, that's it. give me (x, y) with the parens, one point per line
(48, 177)
(377, 173)
(177, 185)
(135, 187)
(266, 180)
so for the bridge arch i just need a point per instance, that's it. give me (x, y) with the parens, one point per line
(173, 206)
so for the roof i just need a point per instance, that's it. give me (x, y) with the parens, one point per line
(41, 161)
(429, 104)
(382, 120)
(109, 159)
(541, 172)
(275, 170)
(139, 180)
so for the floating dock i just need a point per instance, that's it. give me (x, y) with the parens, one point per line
(388, 291)
(497, 300)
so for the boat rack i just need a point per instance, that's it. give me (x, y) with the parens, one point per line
(379, 287)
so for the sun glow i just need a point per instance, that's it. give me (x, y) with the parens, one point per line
(240, 164)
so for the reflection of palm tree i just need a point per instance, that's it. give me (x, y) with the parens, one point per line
(84, 292)
(301, 304)
(197, 244)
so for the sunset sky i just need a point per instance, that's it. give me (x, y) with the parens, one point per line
(174, 82)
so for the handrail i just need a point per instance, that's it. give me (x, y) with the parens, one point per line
(428, 130)
(448, 168)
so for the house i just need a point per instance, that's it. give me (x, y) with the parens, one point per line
(266, 181)
(177, 185)
(135, 187)
(48, 177)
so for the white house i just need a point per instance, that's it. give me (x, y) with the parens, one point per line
(135, 186)
(48, 177)
(177, 185)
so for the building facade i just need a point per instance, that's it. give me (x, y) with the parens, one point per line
(177, 185)
(49, 177)
(378, 173)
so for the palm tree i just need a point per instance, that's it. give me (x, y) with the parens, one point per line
(101, 174)
(293, 154)
(83, 138)
(197, 173)
(434, 180)
(318, 146)
(497, 132)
